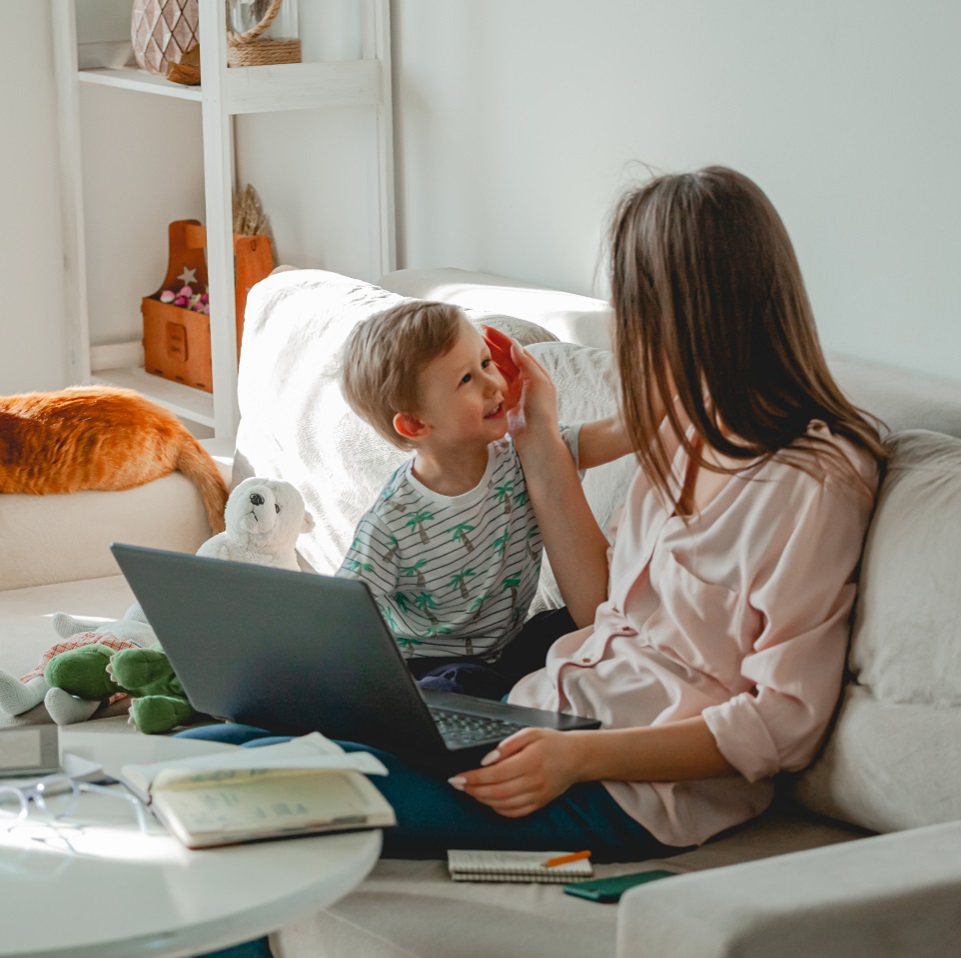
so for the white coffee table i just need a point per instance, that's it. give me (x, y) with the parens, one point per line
(97, 887)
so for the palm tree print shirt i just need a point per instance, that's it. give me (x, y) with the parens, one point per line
(453, 575)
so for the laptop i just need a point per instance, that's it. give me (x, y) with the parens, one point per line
(294, 652)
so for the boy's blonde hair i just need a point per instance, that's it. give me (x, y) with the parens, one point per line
(384, 355)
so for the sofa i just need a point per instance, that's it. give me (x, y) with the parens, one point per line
(860, 854)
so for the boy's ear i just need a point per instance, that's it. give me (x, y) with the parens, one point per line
(410, 427)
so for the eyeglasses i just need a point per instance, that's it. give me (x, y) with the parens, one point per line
(57, 796)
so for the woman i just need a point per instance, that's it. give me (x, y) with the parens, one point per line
(713, 631)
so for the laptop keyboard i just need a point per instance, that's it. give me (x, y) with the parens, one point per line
(459, 729)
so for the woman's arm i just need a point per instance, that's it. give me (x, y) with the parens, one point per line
(575, 544)
(535, 766)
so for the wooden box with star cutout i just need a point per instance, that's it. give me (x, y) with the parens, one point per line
(176, 320)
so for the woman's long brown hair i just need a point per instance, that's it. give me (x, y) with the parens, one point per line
(708, 296)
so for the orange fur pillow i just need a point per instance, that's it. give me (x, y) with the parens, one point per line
(100, 437)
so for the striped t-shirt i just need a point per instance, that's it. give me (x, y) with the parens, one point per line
(452, 575)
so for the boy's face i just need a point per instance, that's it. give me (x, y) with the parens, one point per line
(461, 394)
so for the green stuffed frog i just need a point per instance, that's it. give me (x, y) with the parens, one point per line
(263, 519)
(95, 672)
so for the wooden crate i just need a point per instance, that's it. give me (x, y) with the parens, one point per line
(176, 340)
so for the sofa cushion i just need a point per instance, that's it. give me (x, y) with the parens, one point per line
(60, 538)
(412, 909)
(571, 317)
(893, 760)
(889, 896)
(901, 399)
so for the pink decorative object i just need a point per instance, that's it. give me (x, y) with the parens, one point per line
(186, 298)
(162, 31)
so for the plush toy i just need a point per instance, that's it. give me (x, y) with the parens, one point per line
(18, 695)
(264, 518)
(96, 672)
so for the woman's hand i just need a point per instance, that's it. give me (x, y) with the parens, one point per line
(525, 772)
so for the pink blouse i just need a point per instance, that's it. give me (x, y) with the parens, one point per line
(740, 614)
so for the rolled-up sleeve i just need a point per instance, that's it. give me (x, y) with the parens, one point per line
(804, 593)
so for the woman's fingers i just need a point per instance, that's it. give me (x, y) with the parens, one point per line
(524, 773)
(499, 765)
(509, 746)
(522, 358)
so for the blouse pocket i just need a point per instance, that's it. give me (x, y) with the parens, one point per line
(703, 625)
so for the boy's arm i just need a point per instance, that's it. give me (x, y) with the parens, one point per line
(602, 441)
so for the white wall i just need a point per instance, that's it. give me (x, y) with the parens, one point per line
(32, 339)
(320, 193)
(519, 122)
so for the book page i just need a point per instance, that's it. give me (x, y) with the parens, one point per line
(271, 807)
(310, 752)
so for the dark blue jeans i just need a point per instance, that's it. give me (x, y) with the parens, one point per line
(493, 680)
(432, 816)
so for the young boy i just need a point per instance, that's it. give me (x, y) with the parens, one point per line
(450, 550)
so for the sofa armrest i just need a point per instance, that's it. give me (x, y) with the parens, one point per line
(885, 897)
(62, 538)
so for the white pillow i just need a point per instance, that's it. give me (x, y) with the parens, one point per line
(571, 317)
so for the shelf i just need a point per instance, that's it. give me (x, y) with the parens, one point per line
(264, 89)
(133, 78)
(187, 402)
(302, 86)
(226, 93)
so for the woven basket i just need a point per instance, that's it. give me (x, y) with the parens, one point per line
(251, 48)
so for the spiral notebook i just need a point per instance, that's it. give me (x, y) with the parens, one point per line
(465, 865)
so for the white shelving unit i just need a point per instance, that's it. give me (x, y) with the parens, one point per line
(224, 94)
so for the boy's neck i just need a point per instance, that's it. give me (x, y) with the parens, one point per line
(451, 470)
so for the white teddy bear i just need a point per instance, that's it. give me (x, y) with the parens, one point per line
(264, 518)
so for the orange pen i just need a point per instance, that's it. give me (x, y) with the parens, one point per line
(564, 859)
